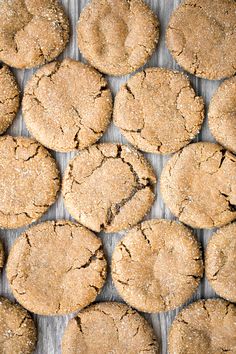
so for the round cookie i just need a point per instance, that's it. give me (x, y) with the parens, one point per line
(198, 185)
(201, 37)
(9, 98)
(157, 266)
(222, 114)
(158, 111)
(117, 37)
(2, 255)
(67, 105)
(17, 329)
(29, 181)
(109, 327)
(32, 33)
(56, 267)
(206, 326)
(108, 187)
(220, 262)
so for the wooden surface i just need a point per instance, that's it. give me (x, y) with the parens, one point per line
(50, 329)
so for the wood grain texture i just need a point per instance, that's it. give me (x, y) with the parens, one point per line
(50, 329)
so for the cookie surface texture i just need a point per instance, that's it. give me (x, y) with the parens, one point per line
(17, 329)
(29, 181)
(129, 24)
(206, 326)
(222, 114)
(198, 185)
(158, 111)
(201, 37)
(67, 105)
(2, 255)
(108, 187)
(9, 98)
(108, 327)
(56, 267)
(220, 262)
(32, 32)
(157, 266)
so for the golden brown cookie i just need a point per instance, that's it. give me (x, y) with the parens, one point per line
(157, 266)
(204, 327)
(56, 267)
(108, 187)
(198, 184)
(109, 327)
(158, 111)
(222, 114)
(2, 256)
(201, 37)
(18, 334)
(117, 37)
(32, 32)
(9, 97)
(67, 105)
(220, 262)
(29, 181)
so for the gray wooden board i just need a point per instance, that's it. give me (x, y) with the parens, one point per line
(50, 329)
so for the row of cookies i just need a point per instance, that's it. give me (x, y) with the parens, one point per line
(58, 267)
(156, 266)
(204, 326)
(34, 32)
(68, 106)
(110, 187)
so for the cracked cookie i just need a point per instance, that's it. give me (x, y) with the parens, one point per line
(32, 32)
(56, 267)
(201, 37)
(109, 327)
(220, 262)
(198, 185)
(222, 114)
(67, 105)
(108, 187)
(9, 98)
(157, 266)
(17, 329)
(158, 111)
(205, 326)
(2, 255)
(117, 37)
(29, 181)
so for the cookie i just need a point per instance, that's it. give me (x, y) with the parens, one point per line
(108, 187)
(158, 111)
(201, 37)
(117, 37)
(32, 33)
(2, 256)
(56, 267)
(67, 105)
(109, 327)
(220, 262)
(157, 266)
(9, 98)
(29, 181)
(17, 329)
(222, 114)
(198, 185)
(206, 326)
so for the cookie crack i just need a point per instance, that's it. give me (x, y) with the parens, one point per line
(94, 257)
(126, 249)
